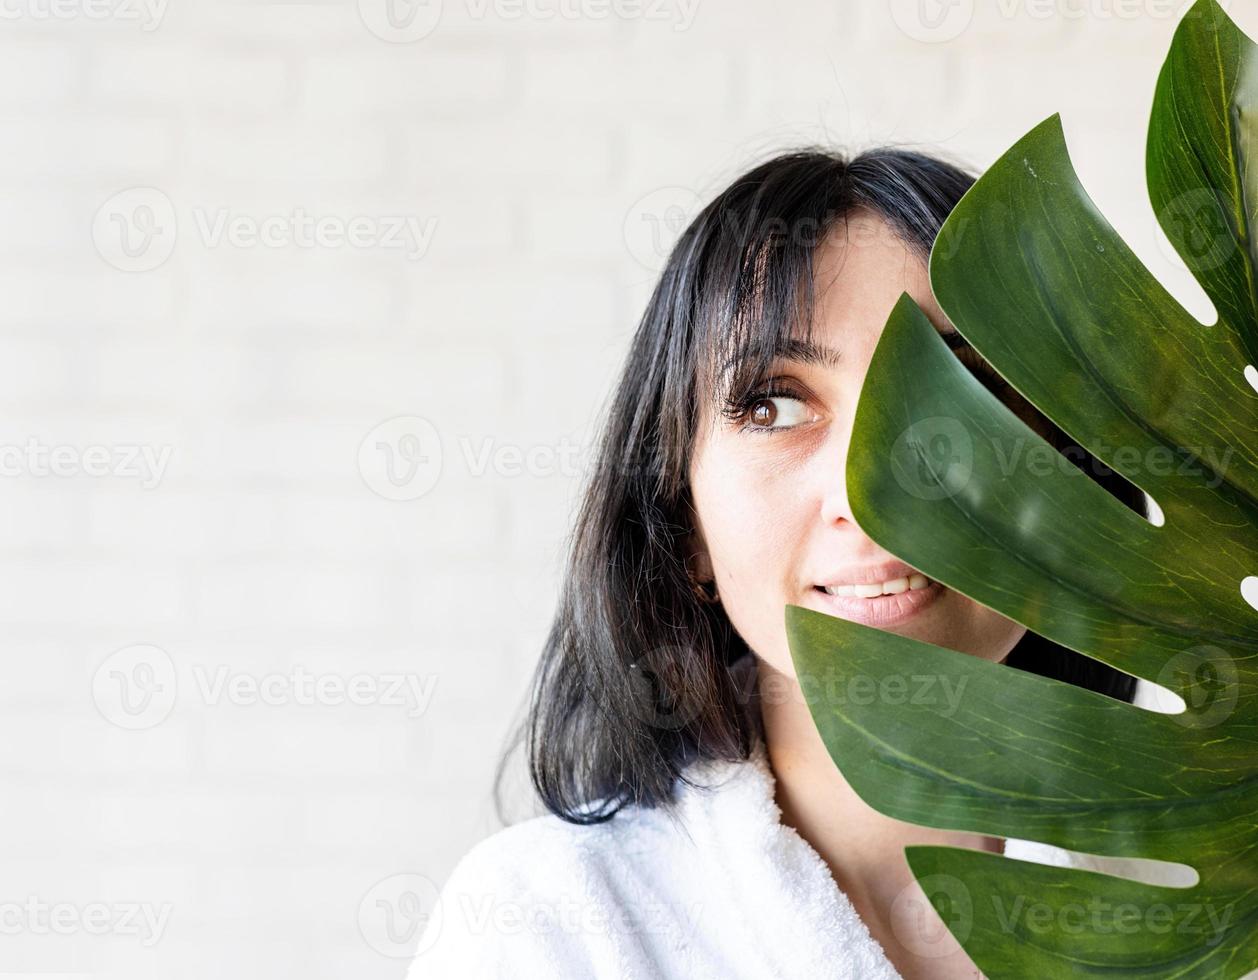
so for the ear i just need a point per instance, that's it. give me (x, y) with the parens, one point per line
(695, 552)
(699, 565)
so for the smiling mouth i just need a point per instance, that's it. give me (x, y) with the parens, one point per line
(893, 586)
(880, 604)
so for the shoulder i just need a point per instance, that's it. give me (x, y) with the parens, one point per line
(546, 848)
(540, 855)
(649, 845)
(546, 897)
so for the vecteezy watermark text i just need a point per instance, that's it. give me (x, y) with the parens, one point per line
(940, 21)
(136, 230)
(936, 457)
(405, 232)
(403, 458)
(302, 687)
(33, 916)
(35, 458)
(863, 690)
(932, 915)
(1098, 916)
(402, 916)
(147, 13)
(404, 21)
(137, 687)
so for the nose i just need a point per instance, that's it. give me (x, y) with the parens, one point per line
(832, 480)
(834, 507)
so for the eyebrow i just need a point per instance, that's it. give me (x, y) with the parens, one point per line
(806, 352)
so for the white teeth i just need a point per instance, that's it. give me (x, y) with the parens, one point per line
(915, 581)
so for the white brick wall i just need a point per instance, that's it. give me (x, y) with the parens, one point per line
(525, 144)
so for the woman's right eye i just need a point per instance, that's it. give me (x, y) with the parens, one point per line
(776, 412)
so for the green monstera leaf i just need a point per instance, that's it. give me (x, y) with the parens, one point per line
(944, 476)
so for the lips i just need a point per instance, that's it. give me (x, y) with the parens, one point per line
(865, 574)
(891, 587)
(882, 610)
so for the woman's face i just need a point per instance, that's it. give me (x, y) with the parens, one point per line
(771, 506)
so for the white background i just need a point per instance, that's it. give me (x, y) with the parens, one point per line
(547, 151)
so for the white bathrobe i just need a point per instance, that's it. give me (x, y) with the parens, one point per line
(726, 890)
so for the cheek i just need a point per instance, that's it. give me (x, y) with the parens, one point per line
(754, 522)
(737, 524)
(749, 509)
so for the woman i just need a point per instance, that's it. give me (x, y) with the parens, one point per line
(697, 826)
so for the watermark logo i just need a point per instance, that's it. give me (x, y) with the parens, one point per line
(931, 917)
(400, 916)
(135, 230)
(401, 459)
(1198, 687)
(135, 688)
(400, 21)
(655, 221)
(933, 458)
(655, 701)
(1193, 231)
(932, 21)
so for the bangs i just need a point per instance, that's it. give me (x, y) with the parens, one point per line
(759, 300)
(754, 246)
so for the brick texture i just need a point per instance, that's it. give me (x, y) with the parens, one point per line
(255, 255)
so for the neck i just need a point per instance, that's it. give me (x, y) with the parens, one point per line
(863, 848)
